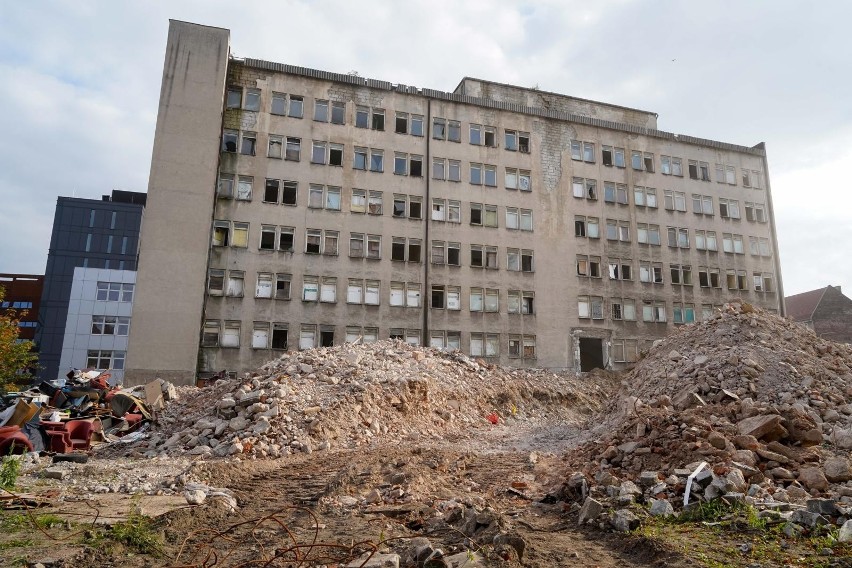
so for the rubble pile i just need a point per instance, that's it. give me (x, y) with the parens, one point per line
(353, 395)
(746, 406)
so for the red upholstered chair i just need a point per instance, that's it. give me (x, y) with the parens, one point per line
(80, 433)
(60, 440)
(12, 441)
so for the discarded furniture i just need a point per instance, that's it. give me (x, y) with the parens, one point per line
(14, 441)
(68, 436)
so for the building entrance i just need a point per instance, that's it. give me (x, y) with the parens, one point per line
(591, 354)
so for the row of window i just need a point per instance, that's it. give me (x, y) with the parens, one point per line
(110, 325)
(27, 324)
(276, 335)
(650, 311)
(112, 220)
(677, 237)
(366, 292)
(681, 274)
(109, 244)
(284, 104)
(103, 359)
(115, 292)
(583, 151)
(17, 305)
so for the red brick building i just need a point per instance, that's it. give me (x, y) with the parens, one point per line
(23, 294)
(826, 310)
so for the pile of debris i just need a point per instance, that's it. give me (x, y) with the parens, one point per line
(352, 395)
(746, 406)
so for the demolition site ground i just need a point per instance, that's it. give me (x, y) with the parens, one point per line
(392, 455)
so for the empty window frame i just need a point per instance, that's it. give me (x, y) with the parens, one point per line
(583, 151)
(215, 282)
(401, 123)
(709, 277)
(642, 161)
(518, 179)
(522, 346)
(763, 282)
(683, 313)
(678, 237)
(648, 234)
(699, 170)
(732, 243)
(622, 309)
(230, 233)
(653, 311)
(321, 241)
(702, 204)
(681, 274)
(439, 128)
(283, 286)
(620, 269)
(588, 266)
(617, 230)
(706, 240)
(587, 227)
(736, 279)
(645, 196)
(650, 272)
(612, 156)
(406, 249)
(407, 206)
(755, 212)
(210, 333)
(225, 187)
(674, 200)
(275, 148)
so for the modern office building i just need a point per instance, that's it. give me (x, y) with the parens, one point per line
(291, 208)
(22, 294)
(87, 233)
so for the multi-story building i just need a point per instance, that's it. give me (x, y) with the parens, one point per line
(291, 208)
(22, 294)
(87, 233)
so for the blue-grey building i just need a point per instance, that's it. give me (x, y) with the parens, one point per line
(87, 233)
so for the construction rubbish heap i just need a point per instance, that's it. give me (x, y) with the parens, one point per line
(746, 407)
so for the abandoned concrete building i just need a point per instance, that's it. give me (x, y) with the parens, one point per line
(291, 208)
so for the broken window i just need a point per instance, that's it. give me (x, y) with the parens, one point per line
(476, 214)
(282, 286)
(279, 335)
(527, 260)
(307, 337)
(260, 335)
(221, 233)
(524, 142)
(490, 136)
(376, 160)
(294, 149)
(454, 131)
(225, 188)
(249, 143)
(335, 154)
(415, 166)
(438, 297)
(230, 139)
(296, 106)
(313, 241)
(267, 237)
(289, 189)
(374, 204)
(215, 282)
(276, 147)
(439, 128)
(210, 334)
(378, 119)
(401, 124)
(270, 192)
(264, 285)
(236, 284)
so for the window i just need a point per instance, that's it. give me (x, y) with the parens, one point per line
(260, 335)
(416, 125)
(439, 128)
(253, 99)
(615, 193)
(407, 206)
(110, 325)
(358, 201)
(236, 284)
(282, 286)
(587, 227)
(215, 282)
(613, 156)
(490, 136)
(359, 161)
(439, 168)
(648, 234)
(681, 274)
(678, 237)
(403, 249)
(454, 131)
(210, 334)
(683, 313)
(294, 149)
(622, 309)
(276, 147)
(264, 285)
(438, 252)
(590, 307)
(617, 230)
(517, 179)
(234, 97)
(338, 113)
(244, 185)
(759, 246)
(373, 243)
(377, 121)
(401, 123)
(699, 170)
(248, 143)
(729, 208)
(286, 239)
(230, 233)
(438, 297)
(230, 334)
(585, 188)
(583, 151)
(230, 139)
(319, 241)
(490, 175)
(321, 110)
(762, 282)
(318, 153)
(310, 289)
(374, 203)
(400, 164)
(645, 196)
(476, 134)
(625, 350)
(674, 200)
(267, 237)
(476, 173)
(279, 104)
(377, 158)
(709, 277)
(328, 290)
(270, 192)
(620, 269)
(105, 359)
(405, 294)
(307, 336)
(706, 240)
(511, 140)
(297, 105)
(755, 212)
(322, 197)
(650, 272)
(731, 175)
(732, 243)
(589, 266)
(653, 311)
(736, 279)
(439, 209)
(702, 204)
(362, 117)
(225, 187)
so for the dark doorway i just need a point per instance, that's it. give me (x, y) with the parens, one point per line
(591, 354)
(326, 338)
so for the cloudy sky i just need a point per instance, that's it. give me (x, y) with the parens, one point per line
(81, 84)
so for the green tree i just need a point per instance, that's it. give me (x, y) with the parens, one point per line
(15, 357)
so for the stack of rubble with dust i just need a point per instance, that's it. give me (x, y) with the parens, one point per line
(355, 395)
(757, 405)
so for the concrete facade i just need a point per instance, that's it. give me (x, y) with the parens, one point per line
(87, 233)
(588, 278)
(99, 318)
